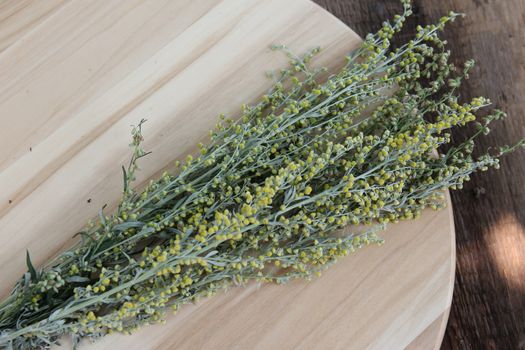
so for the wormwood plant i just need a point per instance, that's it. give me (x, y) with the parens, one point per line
(270, 190)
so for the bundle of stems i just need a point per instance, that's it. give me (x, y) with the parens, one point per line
(266, 198)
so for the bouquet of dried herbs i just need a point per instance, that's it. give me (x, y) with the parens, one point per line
(265, 198)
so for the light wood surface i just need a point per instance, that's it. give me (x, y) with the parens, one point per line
(76, 74)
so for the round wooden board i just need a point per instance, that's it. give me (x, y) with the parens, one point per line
(76, 74)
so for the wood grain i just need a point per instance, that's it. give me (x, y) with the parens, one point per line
(18, 17)
(77, 74)
(488, 309)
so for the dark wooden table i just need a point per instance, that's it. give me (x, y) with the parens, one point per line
(488, 308)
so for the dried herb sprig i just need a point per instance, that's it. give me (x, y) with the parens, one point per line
(271, 189)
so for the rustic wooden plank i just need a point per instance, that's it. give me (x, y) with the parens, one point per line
(488, 309)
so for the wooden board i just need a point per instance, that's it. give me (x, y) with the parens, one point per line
(75, 75)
